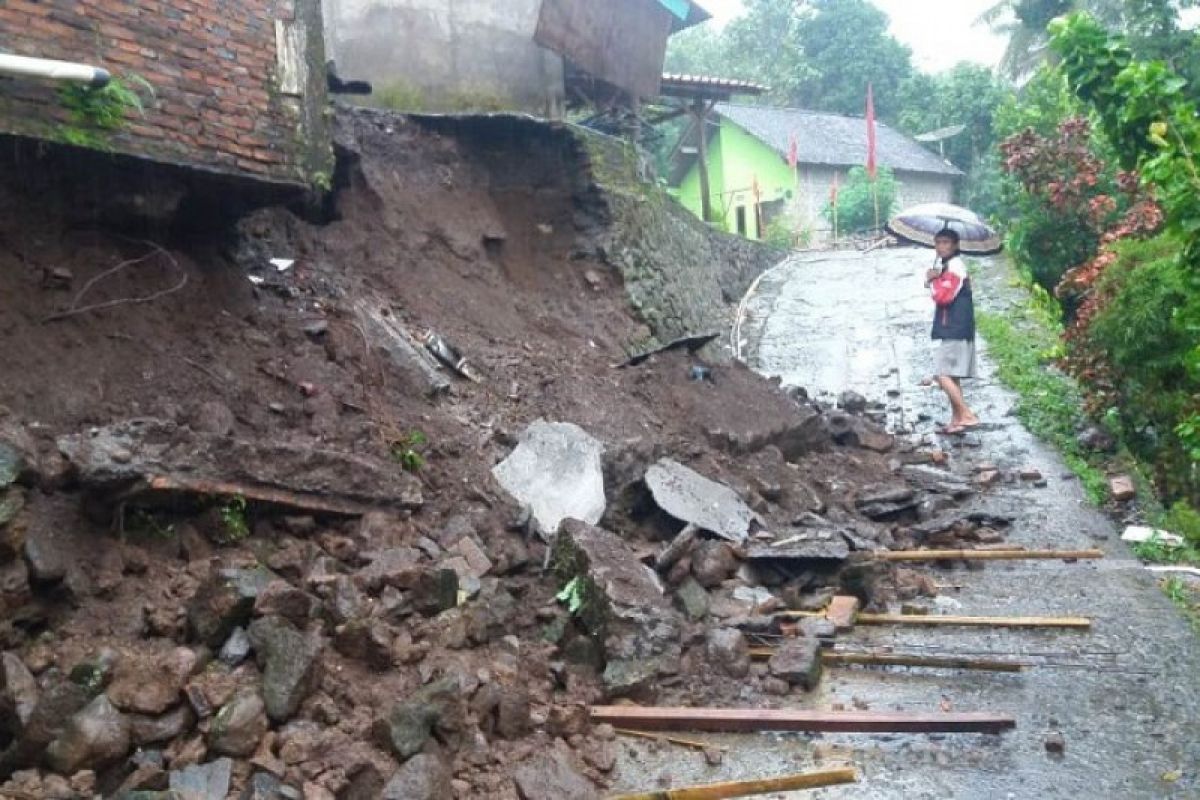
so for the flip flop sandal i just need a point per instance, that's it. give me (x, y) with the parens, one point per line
(953, 430)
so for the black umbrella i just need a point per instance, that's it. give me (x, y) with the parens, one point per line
(920, 224)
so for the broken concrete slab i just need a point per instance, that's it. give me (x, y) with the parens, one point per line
(555, 471)
(692, 498)
(826, 544)
(147, 459)
(414, 363)
(797, 660)
(881, 503)
(937, 481)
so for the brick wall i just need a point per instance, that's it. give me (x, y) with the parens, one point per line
(239, 85)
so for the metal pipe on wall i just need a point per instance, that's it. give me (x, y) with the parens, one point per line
(64, 71)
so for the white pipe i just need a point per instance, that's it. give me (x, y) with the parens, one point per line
(54, 70)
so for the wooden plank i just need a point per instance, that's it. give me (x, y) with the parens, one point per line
(720, 791)
(741, 720)
(986, 555)
(835, 657)
(295, 501)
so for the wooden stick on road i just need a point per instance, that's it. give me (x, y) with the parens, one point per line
(720, 791)
(742, 720)
(658, 737)
(942, 619)
(986, 555)
(833, 657)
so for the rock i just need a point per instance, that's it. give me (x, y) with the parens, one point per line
(289, 660)
(854, 431)
(151, 684)
(214, 417)
(347, 601)
(203, 781)
(601, 756)
(1056, 744)
(1097, 439)
(551, 775)
(692, 498)
(57, 704)
(280, 598)
(988, 478)
(409, 724)
(12, 464)
(1031, 474)
(163, 728)
(692, 598)
(94, 737)
(937, 481)
(714, 756)
(817, 628)
(797, 661)
(367, 640)
(224, 602)
(239, 725)
(436, 591)
(713, 563)
(476, 559)
(513, 714)
(236, 648)
(617, 584)
(49, 551)
(630, 677)
(265, 786)
(18, 694)
(775, 686)
(555, 471)
(422, 777)
(1122, 489)
(852, 402)
(726, 650)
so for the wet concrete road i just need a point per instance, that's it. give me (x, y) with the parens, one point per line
(1125, 696)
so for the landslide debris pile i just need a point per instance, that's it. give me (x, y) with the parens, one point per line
(255, 542)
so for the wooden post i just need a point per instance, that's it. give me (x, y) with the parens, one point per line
(721, 791)
(700, 111)
(940, 619)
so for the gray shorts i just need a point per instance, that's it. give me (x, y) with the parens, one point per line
(955, 358)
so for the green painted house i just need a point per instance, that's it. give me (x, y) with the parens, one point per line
(751, 183)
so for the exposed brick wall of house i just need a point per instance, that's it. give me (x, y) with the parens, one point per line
(226, 98)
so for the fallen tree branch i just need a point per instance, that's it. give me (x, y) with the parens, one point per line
(74, 309)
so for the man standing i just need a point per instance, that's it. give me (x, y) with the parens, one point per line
(953, 328)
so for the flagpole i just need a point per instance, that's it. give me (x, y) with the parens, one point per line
(875, 196)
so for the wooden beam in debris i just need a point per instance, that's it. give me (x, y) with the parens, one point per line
(720, 791)
(746, 720)
(304, 503)
(977, 622)
(986, 555)
(834, 657)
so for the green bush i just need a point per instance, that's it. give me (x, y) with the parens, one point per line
(856, 201)
(1146, 348)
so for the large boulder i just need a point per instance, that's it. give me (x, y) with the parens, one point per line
(151, 683)
(556, 471)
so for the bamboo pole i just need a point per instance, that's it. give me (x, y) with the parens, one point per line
(720, 791)
(756, 720)
(905, 660)
(939, 619)
(658, 737)
(985, 555)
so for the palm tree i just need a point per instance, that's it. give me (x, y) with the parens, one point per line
(1024, 23)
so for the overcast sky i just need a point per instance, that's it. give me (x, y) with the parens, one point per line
(941, 33)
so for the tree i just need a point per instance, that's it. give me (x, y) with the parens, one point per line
(848, 47)
(856, 200)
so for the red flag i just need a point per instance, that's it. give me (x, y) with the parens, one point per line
(793, 151)
(871, 167)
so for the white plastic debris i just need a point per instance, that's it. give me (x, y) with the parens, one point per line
(256, 280)
(282, 264)
(1138, 534)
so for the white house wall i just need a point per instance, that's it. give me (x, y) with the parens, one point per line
(447, 52)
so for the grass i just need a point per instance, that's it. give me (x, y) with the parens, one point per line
(1024, 344)
(1186, 597)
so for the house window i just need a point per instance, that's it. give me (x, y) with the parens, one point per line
(741, 220)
